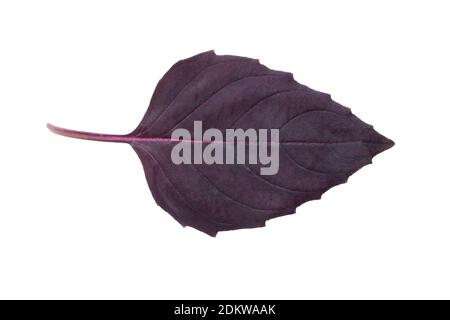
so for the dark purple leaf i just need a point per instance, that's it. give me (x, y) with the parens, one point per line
(321, 142)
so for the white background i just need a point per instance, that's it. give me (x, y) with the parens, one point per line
(77, 219)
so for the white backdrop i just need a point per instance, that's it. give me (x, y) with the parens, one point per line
(77, 219)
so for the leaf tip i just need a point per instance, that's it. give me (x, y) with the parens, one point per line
(51, 127)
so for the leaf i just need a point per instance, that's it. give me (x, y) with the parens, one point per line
(321, 142)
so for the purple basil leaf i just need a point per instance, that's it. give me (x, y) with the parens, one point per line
(321, 142)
